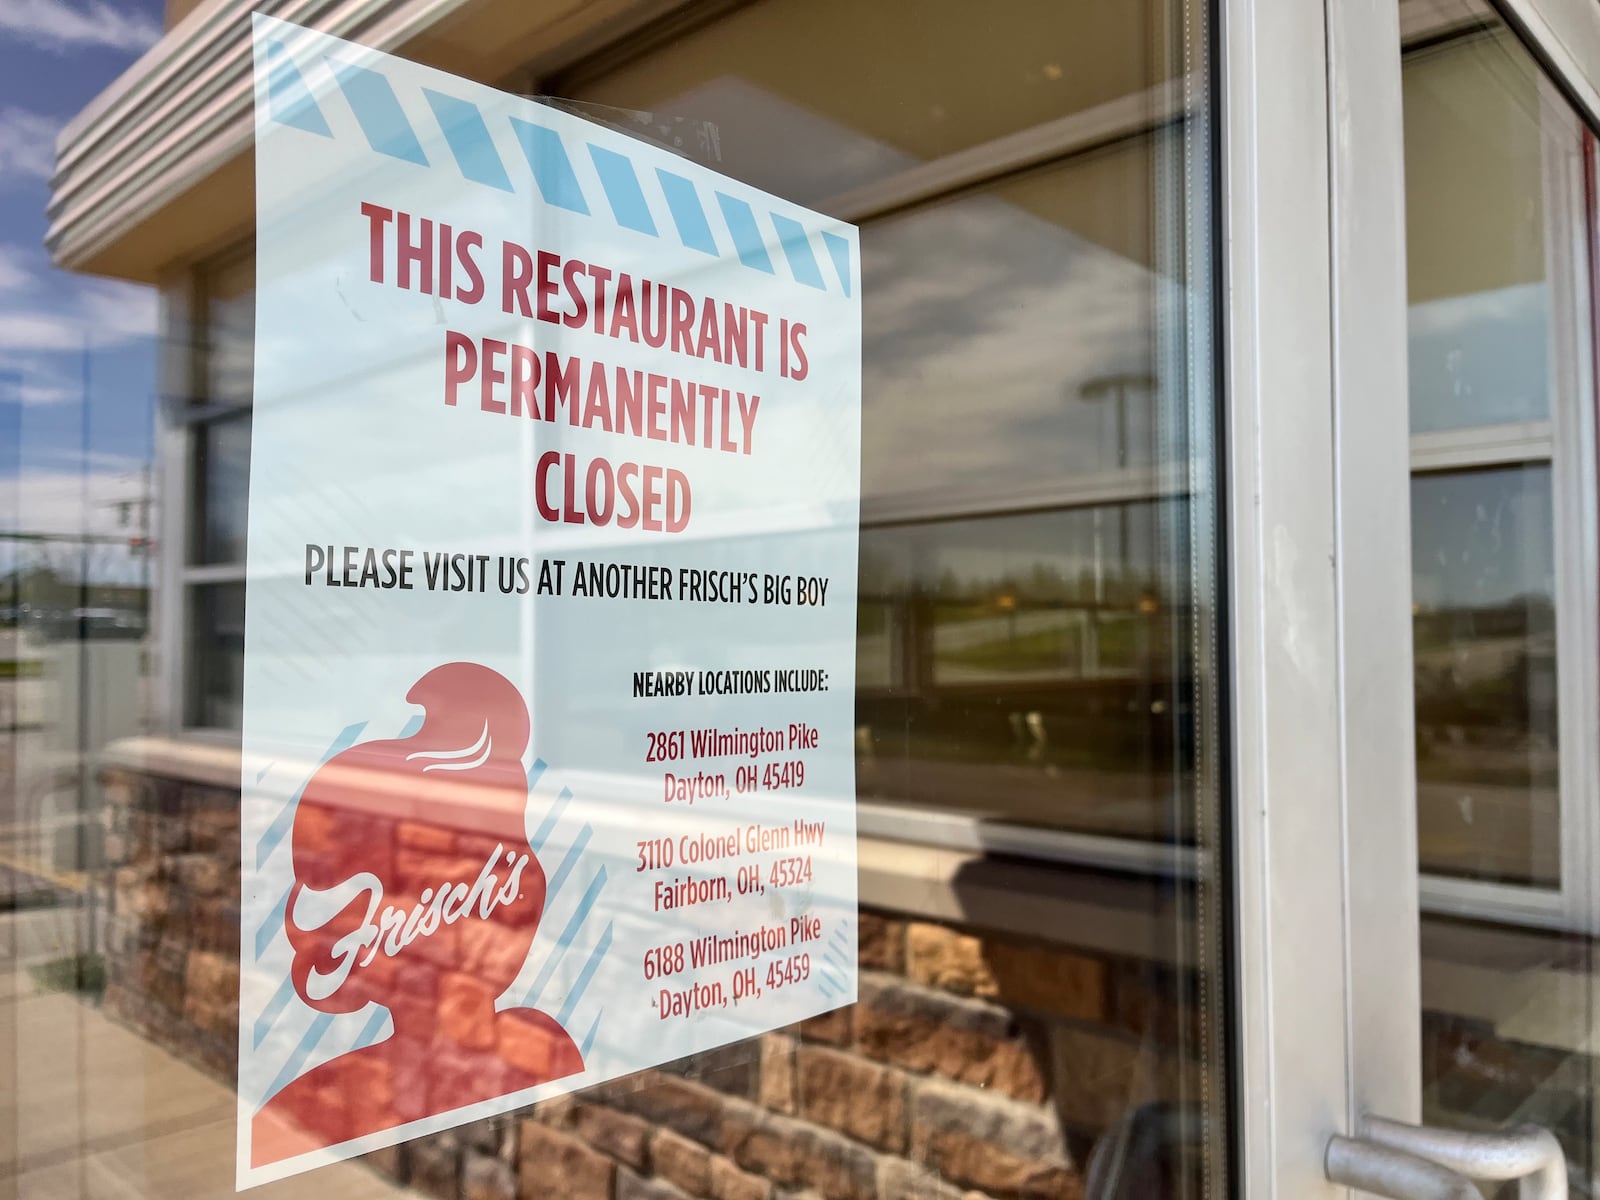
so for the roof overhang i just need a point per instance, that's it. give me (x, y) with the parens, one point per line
(157, 170)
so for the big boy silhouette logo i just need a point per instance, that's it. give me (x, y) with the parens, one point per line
(415, 888)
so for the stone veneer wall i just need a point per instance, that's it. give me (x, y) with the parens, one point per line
(972, 1064)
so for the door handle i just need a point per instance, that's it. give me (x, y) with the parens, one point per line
(1384, 1171)
(1386, 1154)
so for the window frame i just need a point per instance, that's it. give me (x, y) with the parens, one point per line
(1562, 441)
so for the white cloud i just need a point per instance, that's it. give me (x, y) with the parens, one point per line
(36, 383)
(13, 273)
(1022, 313)
(33, 381)
(40, 332)
(115, 311)
(49, 393)
(27, 144)
(99, 313)
(57, 25)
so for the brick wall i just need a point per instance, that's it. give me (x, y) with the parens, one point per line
(974, 1064)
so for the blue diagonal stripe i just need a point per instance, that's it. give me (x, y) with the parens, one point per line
(288, 98)
(280, 826)
(747, 240)
(411, 726)
(379, 114)
(839, 251)
(369, 1032)
(274, 1009)
(594, 1028)
(273, 925)
(297, 1057)
(535, 773)
(280, 823)
(822, 987)
(469, 140)
(552, 169)
(585, 976)
(622, 190)
(797, 249)
(683, 202)
(574, 852)
(565, 940)
(541, 834)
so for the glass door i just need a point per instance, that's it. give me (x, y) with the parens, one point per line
(1413, 521)
(1029, 996)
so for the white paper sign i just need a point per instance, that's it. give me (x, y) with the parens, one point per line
(551, 609)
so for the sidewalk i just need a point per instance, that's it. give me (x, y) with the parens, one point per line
(97, 1113)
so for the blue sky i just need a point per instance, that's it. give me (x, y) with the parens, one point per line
(65, 337)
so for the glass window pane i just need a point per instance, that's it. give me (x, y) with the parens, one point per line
(222, 482)
(216, 651)
(1475, 235)
(222, 447)
(1026, 617)
(1037, 373)
(1483, 586)
(1039, 671)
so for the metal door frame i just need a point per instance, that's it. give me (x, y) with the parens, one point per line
(1317, 473)
(1319, 572)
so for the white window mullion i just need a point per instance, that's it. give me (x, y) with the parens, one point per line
(1483, 446)
(214, 573)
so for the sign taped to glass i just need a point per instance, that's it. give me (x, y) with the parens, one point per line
(551, 611)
